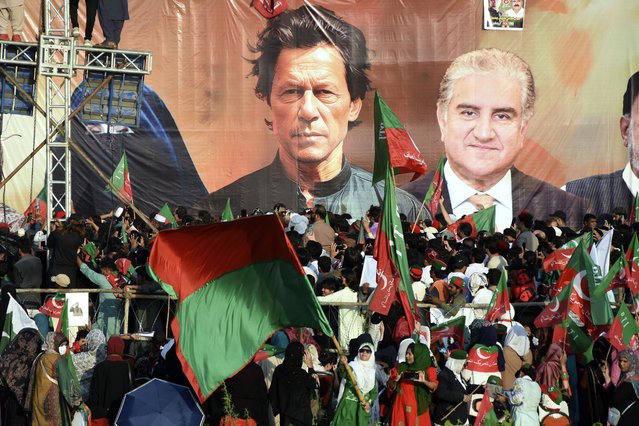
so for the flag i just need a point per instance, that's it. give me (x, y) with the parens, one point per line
(39, 204)
(434, 192)
(166, 212)
(500, 303)
(616, 277)
(624, 326)
(231, 295)
(633, 213)
(573, 335)
(63, 327)
(556, 311)
(393, 144)
(15, 320)
(558, 259)
(482, 220)
(453, 328)
(600, 252)
(121, 181)
(361, 236)
(486, 415)
(392, 264)
(227, 214)
(632, 256)
(585, 304)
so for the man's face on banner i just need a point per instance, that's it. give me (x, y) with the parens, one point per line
(482, 129)
(311, 105)
(629, 130)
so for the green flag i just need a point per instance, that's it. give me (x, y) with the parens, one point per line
(121, 181)
(166, 212)
(64, 329)
(623, 328)
(227, 214)
(500, 303)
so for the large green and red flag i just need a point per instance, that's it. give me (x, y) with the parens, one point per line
(556, 311)
(393, 277)
(486, 415)
(558, 259)
(393, 144)
(617, 277)
(237, 282)
(590, 308)
(168, 216)
(39, 204)
(573, 335)
(453, 328)
(623, 328)
(482, 220)
(500, 303)
(434, 192)
(632, 256)
(121, 181)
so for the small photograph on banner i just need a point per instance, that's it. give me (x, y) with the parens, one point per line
(505, 15)
(78, 305)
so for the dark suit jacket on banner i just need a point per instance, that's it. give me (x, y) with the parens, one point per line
(604, 191)
(528, 193)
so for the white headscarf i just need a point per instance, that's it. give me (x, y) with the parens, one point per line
(517, 339)
(364, 370)
(403, 347)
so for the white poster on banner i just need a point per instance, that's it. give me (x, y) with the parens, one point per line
(78, 306)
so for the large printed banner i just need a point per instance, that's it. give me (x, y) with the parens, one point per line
(274, 110)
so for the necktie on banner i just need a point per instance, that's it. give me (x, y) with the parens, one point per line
(481, 201)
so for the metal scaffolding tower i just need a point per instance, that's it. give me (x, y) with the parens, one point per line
(58, 59)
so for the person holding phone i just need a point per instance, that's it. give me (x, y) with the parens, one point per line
(413, 382)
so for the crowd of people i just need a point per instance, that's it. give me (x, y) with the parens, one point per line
(395, 377)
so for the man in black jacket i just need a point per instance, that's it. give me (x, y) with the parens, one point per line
(450, 398)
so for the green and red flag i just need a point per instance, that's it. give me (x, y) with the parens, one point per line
(633, 213)
(617, 277)
(237, 282)
(632, 256)
(121, 181)
(482, 220)
(434, 192)
(453, 328)
(394, 145)
(556, 311)
(361, 236)
(558, 259)
(623, 328)
(393, 276)
(486, 415)
(39, 204)
(585, 304)
(500, 303)
(168, 216)
(227, 214)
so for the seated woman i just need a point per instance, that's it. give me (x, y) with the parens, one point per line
(413, 381)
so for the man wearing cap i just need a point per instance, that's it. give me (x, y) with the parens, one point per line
(451, 391)
(617, 189)
(439, 288)
(484, 130)
(456, 299)
(312, 76)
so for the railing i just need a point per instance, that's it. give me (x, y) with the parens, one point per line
(127, 294)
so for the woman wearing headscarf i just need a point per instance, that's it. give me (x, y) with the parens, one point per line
(413, 382)
(86, 361)
(552, 368)
(15, 368)
(349, 409)
(516, 353)
(625, 395)
(54, 394)
(451, 398)
(291, 387)
(592, 390)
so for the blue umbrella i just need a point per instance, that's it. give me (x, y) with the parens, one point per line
(160, 403)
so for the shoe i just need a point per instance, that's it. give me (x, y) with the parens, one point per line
(16, 37)
(4, 36)
(76, 32)
(107, 44)
(88, 43)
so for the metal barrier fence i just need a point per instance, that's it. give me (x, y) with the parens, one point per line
(128, 294)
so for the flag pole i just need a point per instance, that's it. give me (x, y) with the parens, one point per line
(342, 358)
(457, 406)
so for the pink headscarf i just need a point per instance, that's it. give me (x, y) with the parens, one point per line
(549, 370)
